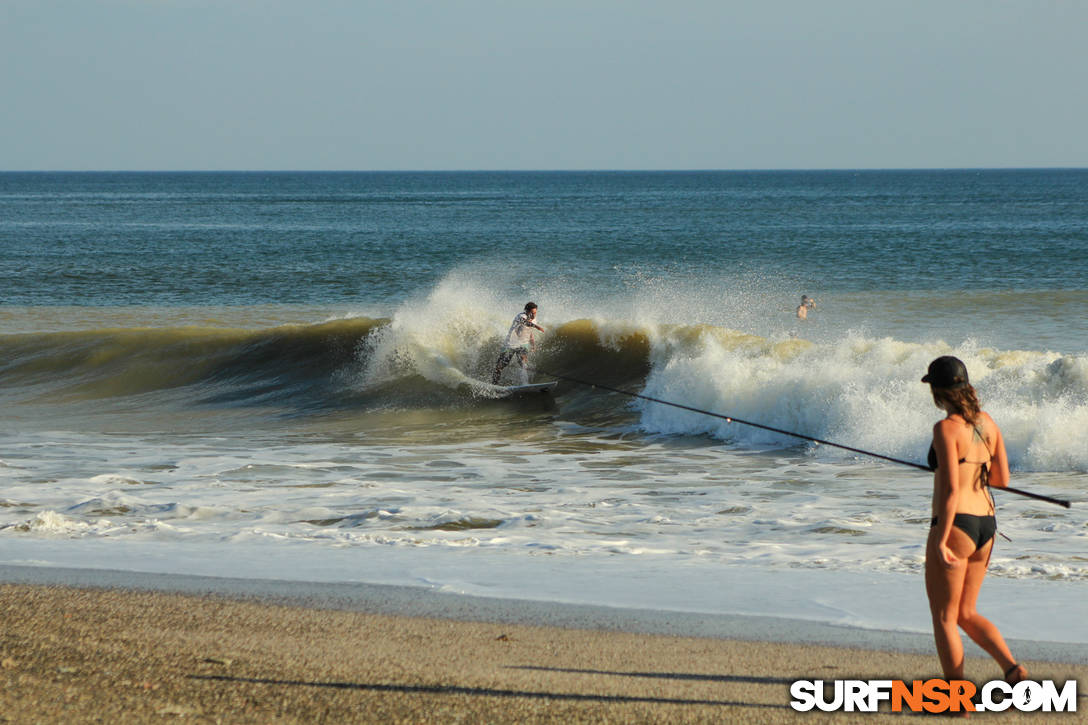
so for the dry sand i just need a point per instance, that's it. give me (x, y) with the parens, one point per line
(72, 655)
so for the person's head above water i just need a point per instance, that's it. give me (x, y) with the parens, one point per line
(947, 372)
(951, 389)
(530, 307)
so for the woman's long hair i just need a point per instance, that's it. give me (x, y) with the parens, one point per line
(961, 400)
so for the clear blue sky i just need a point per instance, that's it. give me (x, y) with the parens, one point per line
(552, 84)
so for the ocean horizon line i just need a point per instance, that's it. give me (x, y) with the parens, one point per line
(800, 170)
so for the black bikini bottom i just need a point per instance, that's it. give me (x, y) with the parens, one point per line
(980, 528)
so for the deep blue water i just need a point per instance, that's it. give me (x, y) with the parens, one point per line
(162, 239)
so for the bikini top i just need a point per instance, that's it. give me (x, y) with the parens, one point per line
(984, 471)
(931, 458)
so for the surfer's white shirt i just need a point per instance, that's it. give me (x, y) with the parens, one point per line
(520, 334)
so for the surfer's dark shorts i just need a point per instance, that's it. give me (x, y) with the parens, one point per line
(509, 353)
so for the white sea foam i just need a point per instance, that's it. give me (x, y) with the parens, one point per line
(837, 384)
(52, 524)
(865, 393)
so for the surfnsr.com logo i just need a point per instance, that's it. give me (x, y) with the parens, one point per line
(932, 696)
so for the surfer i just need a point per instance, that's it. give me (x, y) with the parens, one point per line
(967, 455)
(519, 341)
(807, 303)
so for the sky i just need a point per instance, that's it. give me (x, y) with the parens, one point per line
(526, 84)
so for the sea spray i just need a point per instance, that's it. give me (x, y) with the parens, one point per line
(863, 393)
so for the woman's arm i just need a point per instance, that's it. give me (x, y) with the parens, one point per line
(999, 463)
(947, 491)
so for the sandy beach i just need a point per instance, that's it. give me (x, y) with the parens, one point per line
(113, 655)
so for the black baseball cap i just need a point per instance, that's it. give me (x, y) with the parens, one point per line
(947, 372)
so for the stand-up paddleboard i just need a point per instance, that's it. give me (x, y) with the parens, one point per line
(513, 391)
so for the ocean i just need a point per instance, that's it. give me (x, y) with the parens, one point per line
(284, 376)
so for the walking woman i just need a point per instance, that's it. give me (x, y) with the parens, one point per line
(968, 454)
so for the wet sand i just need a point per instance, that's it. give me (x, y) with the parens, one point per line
(113, 655)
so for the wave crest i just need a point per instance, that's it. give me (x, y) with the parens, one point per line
(860, 391)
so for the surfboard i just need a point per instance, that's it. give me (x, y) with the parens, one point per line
(511, 391)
